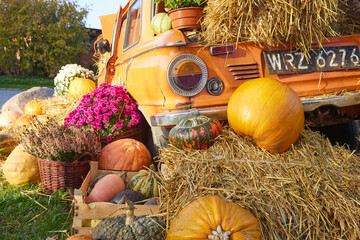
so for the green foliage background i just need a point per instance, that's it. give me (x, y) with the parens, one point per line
(37, 37)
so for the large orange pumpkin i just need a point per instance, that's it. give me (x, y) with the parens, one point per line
(8, 118)
(268, 111)
(211, 216)
(106, 189)
(33, 107)
(125, 154)
(81, 86)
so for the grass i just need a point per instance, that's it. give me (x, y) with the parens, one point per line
(26, 213)
(25, 82)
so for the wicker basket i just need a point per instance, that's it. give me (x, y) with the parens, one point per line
(137, 133)
(56, 175)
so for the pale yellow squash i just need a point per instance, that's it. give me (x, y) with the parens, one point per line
(21, 168)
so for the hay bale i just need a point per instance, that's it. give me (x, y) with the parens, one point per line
(270, 22)
(59, 107)
(309, 192)
(349, 18)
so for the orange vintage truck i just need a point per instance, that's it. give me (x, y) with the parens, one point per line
(172, 76)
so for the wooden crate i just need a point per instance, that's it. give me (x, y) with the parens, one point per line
(85, 215)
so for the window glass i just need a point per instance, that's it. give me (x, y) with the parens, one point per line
(133, 25)
(122, 35)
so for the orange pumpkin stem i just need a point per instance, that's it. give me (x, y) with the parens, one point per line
(219, 234)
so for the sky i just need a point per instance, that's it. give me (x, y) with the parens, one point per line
(98, 8)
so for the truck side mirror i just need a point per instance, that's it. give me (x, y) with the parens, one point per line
(103, 46)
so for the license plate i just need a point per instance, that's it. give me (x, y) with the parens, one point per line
(321, 59)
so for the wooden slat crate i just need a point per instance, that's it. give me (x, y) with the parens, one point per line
(85, 215)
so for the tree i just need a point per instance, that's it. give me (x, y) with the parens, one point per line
(37, 37)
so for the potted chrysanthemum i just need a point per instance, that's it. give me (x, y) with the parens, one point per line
(110, 111)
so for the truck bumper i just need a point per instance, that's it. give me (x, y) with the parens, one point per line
(220, 113)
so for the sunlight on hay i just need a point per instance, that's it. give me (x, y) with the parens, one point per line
(271, 22)
(59, 107)
(341, 93)
(309, 192)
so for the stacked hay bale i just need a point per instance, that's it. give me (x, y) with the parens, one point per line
(271, 22)
(59, 107)
(312, 191)
(349, 18)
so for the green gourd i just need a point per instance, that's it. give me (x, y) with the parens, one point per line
(146, 183)
(160, 23)
(195, 133)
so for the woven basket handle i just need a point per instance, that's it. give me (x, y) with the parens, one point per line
(85, 154)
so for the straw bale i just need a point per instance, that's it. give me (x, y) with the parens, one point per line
(59, 107)
(309, 192)
(269, 22)
(349, 18)
(341, 93)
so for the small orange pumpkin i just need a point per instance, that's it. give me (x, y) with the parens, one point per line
(8, 118)
(80, 237)
(125, 154)
(24, 121)
(81, 86)
(211, 217)
(106, 189)
(267, 110)
(34, 107)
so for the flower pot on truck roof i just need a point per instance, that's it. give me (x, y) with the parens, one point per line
(172, 76)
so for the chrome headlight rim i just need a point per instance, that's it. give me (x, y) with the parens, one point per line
(204, 74)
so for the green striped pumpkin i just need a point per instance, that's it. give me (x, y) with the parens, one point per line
(160, 23)
(7, 145)
(195, 133)
(146, 183)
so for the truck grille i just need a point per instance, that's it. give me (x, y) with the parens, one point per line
(244, 71)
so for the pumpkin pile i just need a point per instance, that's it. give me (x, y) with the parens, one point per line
(143, 188)
(311, 179)
(124, 155)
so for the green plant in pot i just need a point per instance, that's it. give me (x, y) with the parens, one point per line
(185, 14)
(63, 152)
(175, 4)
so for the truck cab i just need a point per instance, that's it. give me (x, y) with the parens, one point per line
(172, 76)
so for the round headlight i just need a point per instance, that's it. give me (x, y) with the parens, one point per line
(187, 74)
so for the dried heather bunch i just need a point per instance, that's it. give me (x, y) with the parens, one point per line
(49, 140)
